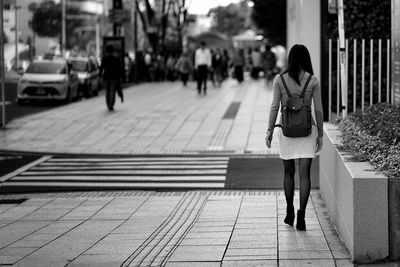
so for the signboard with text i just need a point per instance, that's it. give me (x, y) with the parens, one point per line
(396, 52)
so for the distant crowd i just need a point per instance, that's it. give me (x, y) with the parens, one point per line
(201, 65)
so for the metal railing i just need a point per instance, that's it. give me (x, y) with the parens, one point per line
(373, 65)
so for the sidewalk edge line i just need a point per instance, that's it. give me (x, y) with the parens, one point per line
(23, 168)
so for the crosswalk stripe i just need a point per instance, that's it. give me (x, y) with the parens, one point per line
(131, 172)
(122, 178)
(146, 167)
(128, 172)
(139, 159)
(144, 163)
(86, 185)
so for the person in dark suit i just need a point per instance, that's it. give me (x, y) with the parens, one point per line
(110, 71)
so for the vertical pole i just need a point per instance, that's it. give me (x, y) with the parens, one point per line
(387, 70)
(135, 29)
(355, 76)
(98, 32)
(347, 67)
(63, 27)
(343, 76)
(338, 79)
(371, 72)
(379, 70)
(16, 36)
(362, 74)
(2, 72)
(330, 80)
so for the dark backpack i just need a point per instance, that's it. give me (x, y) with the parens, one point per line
(296, 115)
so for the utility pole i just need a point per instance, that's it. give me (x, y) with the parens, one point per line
(16, 36)
(63, 27)
(342, 45)
(2, 71)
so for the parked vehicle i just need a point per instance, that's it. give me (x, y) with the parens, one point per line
(48, 80)
(88, 71)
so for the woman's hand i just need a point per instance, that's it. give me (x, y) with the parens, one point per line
(268, 139)
(319, 144)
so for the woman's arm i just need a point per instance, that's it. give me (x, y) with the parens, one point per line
(319, 113)
(276, 98)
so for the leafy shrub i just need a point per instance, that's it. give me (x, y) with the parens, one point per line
(374, 136)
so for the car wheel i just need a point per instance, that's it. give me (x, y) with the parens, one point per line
(21, 102)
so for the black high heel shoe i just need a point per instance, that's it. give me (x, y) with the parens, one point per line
(289, 219)
(301, 223)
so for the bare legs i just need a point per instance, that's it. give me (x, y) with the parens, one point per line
(305, 186)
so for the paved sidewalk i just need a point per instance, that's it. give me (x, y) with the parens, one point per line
(155, 118)
(142, 228)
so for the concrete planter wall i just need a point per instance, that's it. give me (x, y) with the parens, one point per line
(357, 200)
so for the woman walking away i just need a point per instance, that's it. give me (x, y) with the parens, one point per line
(184, 66)
(297, 84)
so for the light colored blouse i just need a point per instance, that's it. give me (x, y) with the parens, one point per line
(312, 94)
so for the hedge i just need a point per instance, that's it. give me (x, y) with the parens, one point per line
(374, 136)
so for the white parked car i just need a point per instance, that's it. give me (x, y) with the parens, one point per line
(88, 75)
(48, 80)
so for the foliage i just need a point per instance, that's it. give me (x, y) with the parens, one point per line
(368, 19)
(46, 20)
(270, 17)
(374, 136)
(231, 19)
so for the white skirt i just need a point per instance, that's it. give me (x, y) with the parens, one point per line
(299, 147)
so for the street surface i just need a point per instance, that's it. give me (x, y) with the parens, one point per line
(174, 229)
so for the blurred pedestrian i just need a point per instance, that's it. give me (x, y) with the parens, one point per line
(170, 67)
(297, 80)
(217, 67)
(256, 67)
(110, 70)
(225, 64)
(148, 62)
(159, 68)
(239, 63)
(184, 66)
(202, 63)
(269, 63)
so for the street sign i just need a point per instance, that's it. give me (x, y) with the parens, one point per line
(119, 16)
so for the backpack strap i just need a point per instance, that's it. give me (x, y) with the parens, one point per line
(285, 85)
(305, 86)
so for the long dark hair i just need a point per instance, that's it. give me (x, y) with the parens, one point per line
(299, 59)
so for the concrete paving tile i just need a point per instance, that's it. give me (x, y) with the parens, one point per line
(257, 231)
(249, 237)
(13, 251)
(58, 227)
(303, 246)
(196, 235)
(198, 253)
(307, 263)
(9, 259)
(341, 254)
(211, 229)
(336, 245)
(193, 264)
(29, 243)
(15, 231)
(250, 263)
(250, 251)
(265, 243)
(294, 255)
(42, 262)
(249, 258)
(348, 263)
(205, 242)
